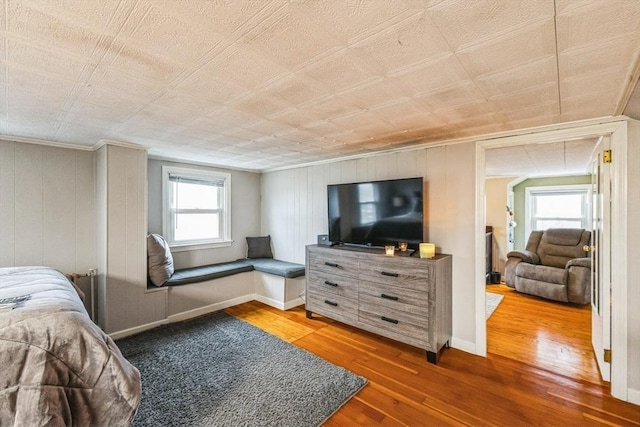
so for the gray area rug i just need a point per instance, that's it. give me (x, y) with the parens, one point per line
(492, 301)
(218, 370)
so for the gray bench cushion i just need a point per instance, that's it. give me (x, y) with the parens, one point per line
(277, 267)
(185, 276)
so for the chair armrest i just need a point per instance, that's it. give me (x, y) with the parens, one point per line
(579, 262)
(526, 256)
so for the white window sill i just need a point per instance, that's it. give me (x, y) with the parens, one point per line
(199, 246)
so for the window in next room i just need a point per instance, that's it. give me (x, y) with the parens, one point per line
(565, 206)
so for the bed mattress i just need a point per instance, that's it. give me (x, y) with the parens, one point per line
(58, 367)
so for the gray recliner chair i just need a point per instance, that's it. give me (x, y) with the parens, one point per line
(554, 266)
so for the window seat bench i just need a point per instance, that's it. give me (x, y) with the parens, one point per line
(203, 273)
(285, 269)
(195, 291)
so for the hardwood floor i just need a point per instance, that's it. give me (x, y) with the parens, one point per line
(462, 390)
(543, 333)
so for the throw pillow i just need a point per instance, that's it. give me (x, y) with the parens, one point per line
(159, 259)
(259, 247)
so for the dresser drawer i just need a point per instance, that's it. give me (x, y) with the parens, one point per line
(394, 298)
(335, 306)
(333, 263)
(322, 282)
(398, 325)
(411, 274)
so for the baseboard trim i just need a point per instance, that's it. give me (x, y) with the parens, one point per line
(185, 315)
(190, 314)
(269, 301)
(633, 396)
(278, 304)
(464, 345)
(293, 303)
(137, 329)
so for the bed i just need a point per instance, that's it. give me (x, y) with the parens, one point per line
(57, 366)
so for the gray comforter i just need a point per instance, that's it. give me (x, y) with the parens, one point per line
(56, 366)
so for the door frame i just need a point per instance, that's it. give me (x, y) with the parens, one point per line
(616, 129)
(601, 235)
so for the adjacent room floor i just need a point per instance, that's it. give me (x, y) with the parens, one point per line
(543, 333)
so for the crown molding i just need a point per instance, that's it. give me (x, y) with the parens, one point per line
(101, 143)
(35, 141)
(131, 145)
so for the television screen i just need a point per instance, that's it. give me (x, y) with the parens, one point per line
(376, 213)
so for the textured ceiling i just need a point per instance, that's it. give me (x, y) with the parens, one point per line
(266, 84)
(536, 160)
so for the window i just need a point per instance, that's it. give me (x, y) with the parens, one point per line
(565, 206)
(196, 207)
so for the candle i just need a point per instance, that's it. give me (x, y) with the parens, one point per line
(389, 250)
(427, 250)
(402, 246)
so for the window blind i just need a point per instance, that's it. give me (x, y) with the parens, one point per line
(196, 180)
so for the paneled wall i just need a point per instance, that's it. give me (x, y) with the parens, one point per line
(100, 165)
(47, 207)
(294, 211)
(122, 194)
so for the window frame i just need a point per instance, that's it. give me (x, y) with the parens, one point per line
(583, 189)
(225, 200)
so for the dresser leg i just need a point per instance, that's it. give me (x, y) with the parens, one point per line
(309, 314)
(433, 357)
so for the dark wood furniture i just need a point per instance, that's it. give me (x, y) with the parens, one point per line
(488, 254)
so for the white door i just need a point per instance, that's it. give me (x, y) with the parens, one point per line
(601, 259)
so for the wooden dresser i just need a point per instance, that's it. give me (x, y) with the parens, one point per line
(400, 297)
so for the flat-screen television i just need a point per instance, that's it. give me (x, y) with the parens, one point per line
(376, 213)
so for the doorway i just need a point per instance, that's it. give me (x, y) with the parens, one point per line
(543, 333)
(616, 129)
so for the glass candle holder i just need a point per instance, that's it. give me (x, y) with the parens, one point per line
(427, 250)
(402, 246)
(389, 250)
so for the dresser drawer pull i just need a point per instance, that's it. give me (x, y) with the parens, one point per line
(335, 304)
(326, 282)
(387, 319)
(332, 264)
(385, 273)
(392, 298)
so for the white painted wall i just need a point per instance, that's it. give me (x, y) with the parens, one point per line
(496, 215)
(245, 214)
(294, 211)
(47, 207)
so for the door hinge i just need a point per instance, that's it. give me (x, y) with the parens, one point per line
(607, 355)
(606, 156)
